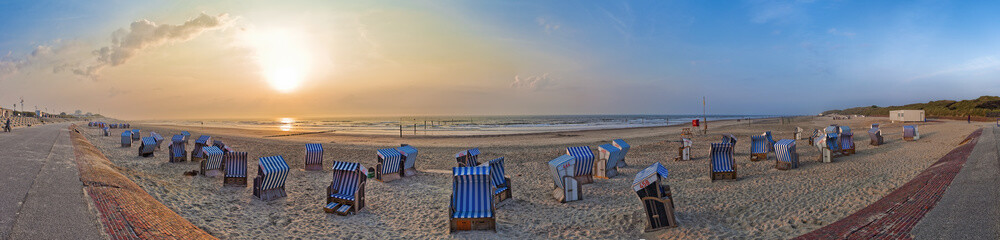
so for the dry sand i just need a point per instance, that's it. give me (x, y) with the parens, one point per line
(763, 203)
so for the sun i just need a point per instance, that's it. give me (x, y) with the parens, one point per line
(283, 56)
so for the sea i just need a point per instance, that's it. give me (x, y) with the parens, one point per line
(457, 125)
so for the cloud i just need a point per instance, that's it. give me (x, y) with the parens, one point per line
(975, 64)
(547, 24)
(835, 32)
(533, 83)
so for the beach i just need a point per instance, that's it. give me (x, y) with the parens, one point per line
(762, 203)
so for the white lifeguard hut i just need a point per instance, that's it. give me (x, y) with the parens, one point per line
(907, 116)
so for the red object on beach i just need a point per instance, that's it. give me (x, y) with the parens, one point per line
(694, 123)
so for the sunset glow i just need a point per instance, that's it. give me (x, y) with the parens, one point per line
(282, 56)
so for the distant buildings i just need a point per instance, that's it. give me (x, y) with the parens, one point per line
(907, 116)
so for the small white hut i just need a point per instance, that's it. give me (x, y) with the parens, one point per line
(906, 116)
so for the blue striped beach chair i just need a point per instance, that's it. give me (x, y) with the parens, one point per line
(472, 206)
(235, 164)
(910, 133)
(269, 184)
(126, 139)
(147, 146)
(584, 163)
(770, 141)
(388, 167)
(656, 197)
(202, 141)
(159, 139)
(187, 136)
(409, 159)
(785, 155)
(107, 132)
(346, 193)
(624, 147)
(314, 157)
(136, 135)
(874, 125)
(846, 140)
(567, 188)
(758, 151)
(875, 136)
(178, 150)
(500, 180)
(723, 165)
(221, 145)
(212, 166)
(607, 163)
(468, 158)
(729, 138)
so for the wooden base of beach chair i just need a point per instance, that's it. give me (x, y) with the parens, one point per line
(234, 182)
(622, 163)
(267, 194)
(572, 192)
(724, 176)
(181, 158)
(780, 165)
(126, 144)
(388, 177)
(467, 224)
(585, 179)
(499, 197)
(908, 139)
(149, 154)
(758, 157)
(847, 151)
(409, 172)
(681, 156)
(209, 172)
(196, 159)
(659, 213)
(314, 167)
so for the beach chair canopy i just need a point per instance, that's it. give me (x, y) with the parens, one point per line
(562, 166)
(213, 157)
(832, 129)
(845, 130)
(346, 179)
(785, 149)
(729, 138)
(499, 174)
(471, 156)
(236, 164)
(314, 147)
(126, 134)
(831, 141)
(757, 144)
(584, 159)
(177, 138)
(410, 153)
(472, 191)
(204, 139)
(873, 132)
(652, 174)
(615, 154)
(275, 170)
(148, 144)
(909, 131)
(136, 131)
(621, 145)
(390, 160)
(722, 157)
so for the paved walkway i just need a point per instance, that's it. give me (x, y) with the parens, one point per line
(970, 208)
(41, 196)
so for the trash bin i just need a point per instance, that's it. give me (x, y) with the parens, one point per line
(694, 123)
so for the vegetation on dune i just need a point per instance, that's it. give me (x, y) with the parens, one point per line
(942, 108)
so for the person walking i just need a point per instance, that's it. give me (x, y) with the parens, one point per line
(6, 126)
(970, 119)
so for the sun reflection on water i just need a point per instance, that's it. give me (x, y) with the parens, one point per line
(287, 124)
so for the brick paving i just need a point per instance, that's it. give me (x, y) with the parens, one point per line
(126, 210)
(894, 216)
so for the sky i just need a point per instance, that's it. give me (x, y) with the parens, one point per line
(262, 59)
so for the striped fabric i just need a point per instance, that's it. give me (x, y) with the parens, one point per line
(846, 141)
(874, 133)
(757, 144)
(148, 144)
(831, 141)
(615, 155)
(471, 156)
(621, 145)
(845, 130)
(346, 179)
(729, 138)
(177, 138)
(274, 169)
(389, 158)
(909, 131)
(235, 164)
(650, 175)
(136, 134)
(560, 167)
(785, 151)
(219, 144)
(472, 192)
(213, 157)
(722, 157)
(770, 141)
(499, 174)
(157, 137)
(202, 141)
(833, 129)
(584, 159)
(314, 153)
(410, 153)
(186, 134)
(177, 146)
(126, 138)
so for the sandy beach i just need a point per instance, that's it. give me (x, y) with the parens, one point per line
(762, 203)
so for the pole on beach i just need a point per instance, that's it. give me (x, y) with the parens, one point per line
(400, 130)
(704, 115)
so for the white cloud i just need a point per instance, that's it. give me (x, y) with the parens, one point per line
(533, 83)
(548, 25)
(975, 64)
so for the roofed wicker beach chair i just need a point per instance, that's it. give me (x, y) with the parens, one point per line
(472, 206)
(221, 145)
(212, 166)
(147, 147)
(500, 180)
(584, 163)
(684, 152)
(910, 133)
(770, 141)
(126, 139)
(202, 141)
(136, 135)
(606, 166)
(785, 155)
(874, 125)
(178, 150)
(409, 159)
(269, 184)
(314, 157)
(758, 151)
(798, 133)
(621, 144)
(846, 141)
(815, 135)
(159, 139)
(567, 188)
(656, 197)
(106, 132)
(388, 167)
(468, 158)
(729, 138)
(723, 165)
(235, 166)
(875, 136)
(187, 136)
(827, 145)
(346, 193)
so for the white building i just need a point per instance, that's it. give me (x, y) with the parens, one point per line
(907, 116)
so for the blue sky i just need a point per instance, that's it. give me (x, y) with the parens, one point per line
(543, 57)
